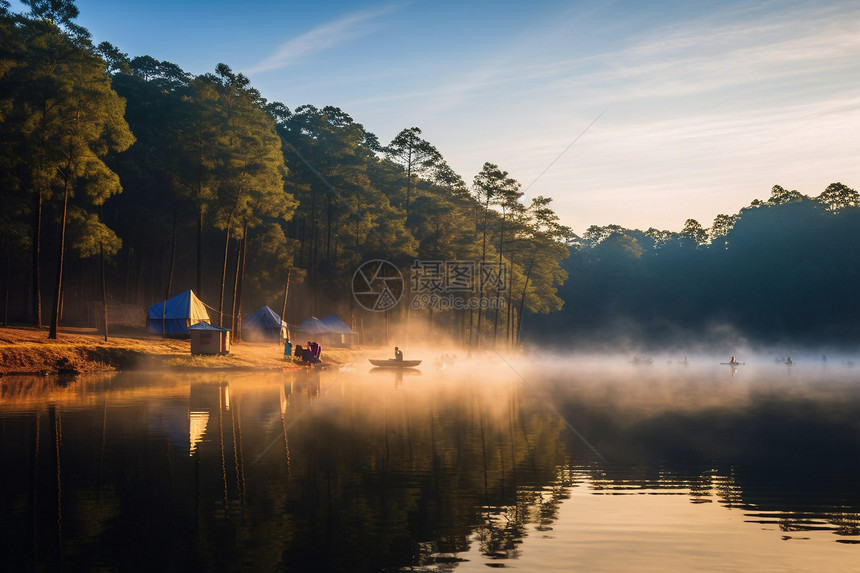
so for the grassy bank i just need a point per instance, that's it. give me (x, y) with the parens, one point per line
(29, 351)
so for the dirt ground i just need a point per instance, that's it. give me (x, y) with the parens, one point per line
(28, 350)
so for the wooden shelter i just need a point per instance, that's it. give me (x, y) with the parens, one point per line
(208, 339)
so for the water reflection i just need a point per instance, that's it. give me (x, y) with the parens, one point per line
(395, 374)
(364, 471)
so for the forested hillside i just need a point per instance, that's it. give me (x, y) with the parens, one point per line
(125, 180)
(786, 270)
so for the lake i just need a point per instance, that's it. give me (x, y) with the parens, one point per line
(588, 464)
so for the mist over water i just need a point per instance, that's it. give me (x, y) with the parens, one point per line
(476, 458)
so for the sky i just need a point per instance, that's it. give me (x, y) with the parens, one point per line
(641, 114)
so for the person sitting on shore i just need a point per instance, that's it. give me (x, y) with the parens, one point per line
(307, 355)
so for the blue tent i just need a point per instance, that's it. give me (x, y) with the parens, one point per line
(339, 333)
(330, 331)
(336, 325)
(263, 325)
(311, 325)
(173, 316)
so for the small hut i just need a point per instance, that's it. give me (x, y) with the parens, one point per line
(208, 339)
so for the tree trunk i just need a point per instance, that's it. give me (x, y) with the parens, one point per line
(286, 294)
(242, 281)
(5, 283)
(224, 276)
(104, 288)
(37, 243)
(237, 283)
(408, 181)
(199, 250)
(357, 223)
(509, 319)
(312, 238)
(172, 255)
(481, 270)
(301, 236)
(498, 286)
(328, 228)
(523, 301)
(233, 315)
(55, 309)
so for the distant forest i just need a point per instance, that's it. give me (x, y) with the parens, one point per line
(125, 180)
(781, 271)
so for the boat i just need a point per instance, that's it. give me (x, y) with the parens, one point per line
(733, 363)
(393, 363)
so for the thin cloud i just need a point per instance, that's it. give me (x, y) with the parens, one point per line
(322, 38)
(690, 58)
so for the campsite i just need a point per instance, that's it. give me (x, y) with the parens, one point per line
(355, 288)
(177, 316)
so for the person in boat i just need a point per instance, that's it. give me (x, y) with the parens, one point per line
(733, 360)
(398, 354)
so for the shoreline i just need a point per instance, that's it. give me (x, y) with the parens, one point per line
(27, 351)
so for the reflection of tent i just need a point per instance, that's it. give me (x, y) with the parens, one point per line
(263, 325)
(174, 315)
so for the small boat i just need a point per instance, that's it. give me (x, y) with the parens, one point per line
(733, 363)
(392, 363)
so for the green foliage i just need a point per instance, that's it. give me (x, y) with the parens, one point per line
(61, 120)
(838, 197)
(693, 231)
(781, 270)
(90, 237)
(308, 190)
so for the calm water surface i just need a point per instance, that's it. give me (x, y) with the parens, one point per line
(583, 465)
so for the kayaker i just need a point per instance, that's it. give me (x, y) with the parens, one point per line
(398, 354)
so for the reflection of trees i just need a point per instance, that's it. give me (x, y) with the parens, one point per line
(282, 476)
(788, 461)
(428, 473)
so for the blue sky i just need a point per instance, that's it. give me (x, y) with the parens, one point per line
(635, 113)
